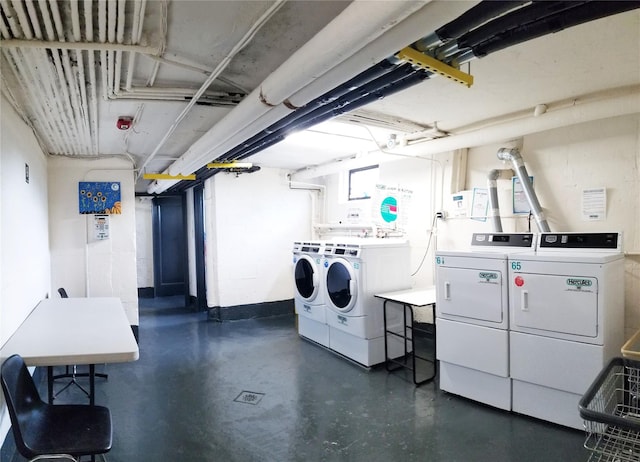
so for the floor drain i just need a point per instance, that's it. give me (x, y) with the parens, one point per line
(249, 397)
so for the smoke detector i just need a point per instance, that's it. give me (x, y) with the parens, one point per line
(124, 122)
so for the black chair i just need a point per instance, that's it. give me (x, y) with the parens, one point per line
(42, 430)
(71, 372)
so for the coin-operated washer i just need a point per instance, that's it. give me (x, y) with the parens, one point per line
(566, 321)
(309, 298)
(472, 317)
(356, 270)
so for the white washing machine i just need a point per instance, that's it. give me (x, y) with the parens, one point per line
(567, 321)
(309, 296)
(354, 272)
(472, 317)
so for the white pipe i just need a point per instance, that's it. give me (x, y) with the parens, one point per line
(137, 5)
(112, 14)
(34, 95)
(33, 17)
(70, 89)
(307, 64)
(119, 39)
(18, 6)
(358, 25)
(40, 80)
(84, 106)
(93, 84)
(221, 66)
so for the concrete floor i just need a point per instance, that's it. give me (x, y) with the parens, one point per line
(183, 401)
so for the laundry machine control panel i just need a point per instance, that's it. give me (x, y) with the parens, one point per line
(482, 241)
(607, 242)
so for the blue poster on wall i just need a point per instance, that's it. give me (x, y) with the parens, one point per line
(99, 197)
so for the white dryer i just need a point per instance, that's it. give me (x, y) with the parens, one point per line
(309, 298)
(354, 272)
(472, 317)
(567, 321)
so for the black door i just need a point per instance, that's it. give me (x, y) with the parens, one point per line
(169, 246)
(199, 219)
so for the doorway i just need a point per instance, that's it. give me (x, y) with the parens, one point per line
(169, 246)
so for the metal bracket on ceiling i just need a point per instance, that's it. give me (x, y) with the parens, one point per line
(431, 64)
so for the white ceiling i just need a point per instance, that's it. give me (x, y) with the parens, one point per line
(572, 64)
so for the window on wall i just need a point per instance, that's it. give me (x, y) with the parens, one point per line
(362, 182)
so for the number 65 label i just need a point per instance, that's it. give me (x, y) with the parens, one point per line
(516, 265)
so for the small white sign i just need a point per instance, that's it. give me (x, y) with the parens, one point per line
(101, 227)
(594, 204)
(520, 202)
(480, 204)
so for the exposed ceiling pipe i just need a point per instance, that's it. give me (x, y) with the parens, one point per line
(535, 12)
(93, 84)
(207, 83)
(84, 106)
(102, 38)
(136, 33)
(371, 80)
(584, 12)
(349, 31)
(69, 84)
(583, 109)
(27, 64)
(513, 155)
(482, 12)
(379, 49)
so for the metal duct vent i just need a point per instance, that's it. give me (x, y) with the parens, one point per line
(513, 155)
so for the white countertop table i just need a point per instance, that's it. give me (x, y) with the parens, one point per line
(409, 299)
(64, 331)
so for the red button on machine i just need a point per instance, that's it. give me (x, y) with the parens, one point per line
(519, 281)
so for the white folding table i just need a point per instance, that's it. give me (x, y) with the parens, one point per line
(409, 299)
(64, 331)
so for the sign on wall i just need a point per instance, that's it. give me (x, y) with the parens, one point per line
(99, 197)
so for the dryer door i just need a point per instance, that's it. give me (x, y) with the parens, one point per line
(306, 277)
(341, 285)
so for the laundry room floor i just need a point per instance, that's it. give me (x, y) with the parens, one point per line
(252, 390)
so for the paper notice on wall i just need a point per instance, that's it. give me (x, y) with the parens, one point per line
(480, 204)
(594, 204)
(520, 202)
(391, 206)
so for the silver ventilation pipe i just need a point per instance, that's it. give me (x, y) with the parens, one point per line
(492, 186)
(513, 155)
(494, 207)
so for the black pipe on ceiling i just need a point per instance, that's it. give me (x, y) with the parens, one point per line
(314, 110)
(346, 104)
(403, 77)
(533, 13)
(373, 77)
(587, 12)
(482, 12)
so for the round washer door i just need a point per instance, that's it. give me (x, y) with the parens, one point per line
(341, 285)
(306, 277)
